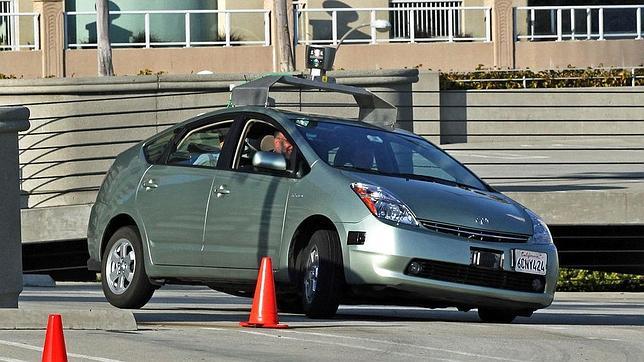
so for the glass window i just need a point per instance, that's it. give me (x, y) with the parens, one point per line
(201, 147)
(154, 149)
(368, 149)
(261, 136)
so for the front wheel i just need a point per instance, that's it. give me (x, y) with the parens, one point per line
(125, 283)
(321, 276)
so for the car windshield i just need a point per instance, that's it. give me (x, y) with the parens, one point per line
(377, 151)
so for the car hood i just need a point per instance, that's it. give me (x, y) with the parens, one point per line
(452, 204)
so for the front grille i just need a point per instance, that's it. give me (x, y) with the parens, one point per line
(467, 274)
(475, 234)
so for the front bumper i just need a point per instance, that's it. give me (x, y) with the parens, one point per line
(384, 257)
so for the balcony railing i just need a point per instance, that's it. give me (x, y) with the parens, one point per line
(431, 21)
(10, 37)
(410, 24)
(579, 22)
(147, 39)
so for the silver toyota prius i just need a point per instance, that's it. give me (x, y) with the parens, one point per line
(349, 212)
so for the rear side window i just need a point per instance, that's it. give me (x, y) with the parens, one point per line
(154, 149)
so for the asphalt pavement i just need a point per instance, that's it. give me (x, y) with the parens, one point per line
(196, 323)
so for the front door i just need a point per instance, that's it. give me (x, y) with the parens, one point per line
(247, 208)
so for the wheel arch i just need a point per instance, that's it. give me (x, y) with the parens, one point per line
(302, 235)
(116, 223)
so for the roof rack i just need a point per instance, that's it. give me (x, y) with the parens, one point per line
(373, 109)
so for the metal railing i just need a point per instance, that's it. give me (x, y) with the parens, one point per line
(228, 38)
(330, 24)
(10, 38)
(579, 22)
(430, 21)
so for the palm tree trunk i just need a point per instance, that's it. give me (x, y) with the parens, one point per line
(105, 67)
(285, 50)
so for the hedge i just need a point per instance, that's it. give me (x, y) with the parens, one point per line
(578, 280)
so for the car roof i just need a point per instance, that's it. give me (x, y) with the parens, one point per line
(292, 115)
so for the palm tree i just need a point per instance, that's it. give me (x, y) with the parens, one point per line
(105, 67)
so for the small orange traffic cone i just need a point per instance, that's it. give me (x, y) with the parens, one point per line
(54, 350)
(263, 314)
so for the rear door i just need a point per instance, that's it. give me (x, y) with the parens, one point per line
(173, 196)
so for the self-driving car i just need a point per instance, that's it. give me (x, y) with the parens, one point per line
(349, 210)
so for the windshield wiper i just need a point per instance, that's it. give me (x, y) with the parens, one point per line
(363, 169)
(411, 176)
(436, 180)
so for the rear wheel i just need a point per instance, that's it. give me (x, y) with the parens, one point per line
(125, 283)
(321, 276)
(496, 315)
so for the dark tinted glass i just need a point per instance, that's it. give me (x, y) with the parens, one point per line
(154, 149)
(377, 151)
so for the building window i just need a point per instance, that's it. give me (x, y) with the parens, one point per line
(8, 25)
(430, 21)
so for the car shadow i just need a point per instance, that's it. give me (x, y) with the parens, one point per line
(389, 316)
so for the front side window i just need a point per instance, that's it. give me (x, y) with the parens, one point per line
(261, 136)
(202, 146)
(155, 149)
(373, 150)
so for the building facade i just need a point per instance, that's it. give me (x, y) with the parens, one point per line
(43, 38)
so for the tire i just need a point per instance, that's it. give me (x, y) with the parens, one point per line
(289, 303)
(125, 283)
(496, 315)
(321, 275)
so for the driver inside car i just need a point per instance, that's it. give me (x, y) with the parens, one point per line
(282, 145)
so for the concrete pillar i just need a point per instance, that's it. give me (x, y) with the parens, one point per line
(12, 120)
(52, 36)
(503, 33)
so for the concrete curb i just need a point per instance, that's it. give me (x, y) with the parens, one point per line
(105, 319)
(38, 280)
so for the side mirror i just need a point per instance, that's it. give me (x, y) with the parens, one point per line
(269, 161)
(179, 156)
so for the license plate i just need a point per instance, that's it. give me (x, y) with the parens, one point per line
(530, 262)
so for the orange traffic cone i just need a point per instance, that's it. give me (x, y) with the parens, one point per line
(263, 314)
(54, 350)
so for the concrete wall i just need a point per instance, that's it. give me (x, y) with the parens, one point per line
(82, 63)
(611, 53)
(26, 64)
(521, 115)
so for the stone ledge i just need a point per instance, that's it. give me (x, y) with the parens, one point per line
(92, 319)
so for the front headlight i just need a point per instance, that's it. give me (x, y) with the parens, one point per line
(541, 232)
(384, 205)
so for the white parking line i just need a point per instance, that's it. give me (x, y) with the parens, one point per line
(3, 359)
(332, 344)
(39, 349)
(467, 354)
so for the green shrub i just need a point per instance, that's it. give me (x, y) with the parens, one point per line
(579, 280)
(561, 78)
(147, 71)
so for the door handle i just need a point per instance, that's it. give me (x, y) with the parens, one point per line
(222, 190)
(150, 185)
